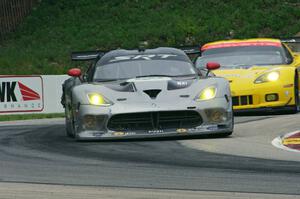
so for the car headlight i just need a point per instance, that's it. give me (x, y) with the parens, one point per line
(98, 99)
(268, 77)
(207, 93)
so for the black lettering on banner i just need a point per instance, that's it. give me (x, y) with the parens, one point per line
(2, 92)
(11, 91)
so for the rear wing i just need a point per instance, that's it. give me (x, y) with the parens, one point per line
(292, 42)
(192, 51)
(87, 55)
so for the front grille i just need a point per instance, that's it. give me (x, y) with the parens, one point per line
(242, 100)
(154, 120)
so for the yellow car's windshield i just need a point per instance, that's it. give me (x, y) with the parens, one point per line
(243, 57)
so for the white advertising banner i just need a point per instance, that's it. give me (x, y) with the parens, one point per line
(21, 94)
(31, 94)
(53, 93)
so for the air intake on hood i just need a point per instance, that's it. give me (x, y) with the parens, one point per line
(152, 93)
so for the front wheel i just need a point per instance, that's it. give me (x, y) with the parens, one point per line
(69, 123)
(226, 134)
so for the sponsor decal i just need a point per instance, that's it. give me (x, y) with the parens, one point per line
(203, 128)
(118, 133)
(21, 94)
(182, 83)
(181, 130)
(97, 134)
(155, 131)
(240, 44)
(142, 57)
(130, 133)
(212, 128)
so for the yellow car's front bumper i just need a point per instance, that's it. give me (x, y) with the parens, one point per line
(259, 97)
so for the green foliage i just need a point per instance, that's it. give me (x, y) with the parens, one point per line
(43, 43)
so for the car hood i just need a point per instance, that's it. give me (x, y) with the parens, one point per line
(242, 79)
(162, 89)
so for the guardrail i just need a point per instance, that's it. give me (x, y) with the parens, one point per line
(12, 13)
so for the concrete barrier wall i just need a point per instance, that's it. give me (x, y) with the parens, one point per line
(31, 94)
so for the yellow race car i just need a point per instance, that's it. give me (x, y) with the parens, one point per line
(263, 73)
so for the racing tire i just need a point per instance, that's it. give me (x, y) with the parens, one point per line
(230, 132)
(226, 134)
(69, 125)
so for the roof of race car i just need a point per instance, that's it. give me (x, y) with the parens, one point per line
(147, 54)
(242, 42)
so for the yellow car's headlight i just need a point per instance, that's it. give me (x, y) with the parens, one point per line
(268, 77)
(98, 99)
(207, 93)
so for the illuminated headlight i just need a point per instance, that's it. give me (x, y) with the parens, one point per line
(268, 77)
(98, 99)
(207, 93)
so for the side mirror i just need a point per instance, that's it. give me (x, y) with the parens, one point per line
(74, 72)
(200, 72)
(212, 65)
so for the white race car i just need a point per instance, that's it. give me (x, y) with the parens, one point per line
(144, 93)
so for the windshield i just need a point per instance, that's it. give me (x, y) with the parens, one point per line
(139, 68)
(240, 57)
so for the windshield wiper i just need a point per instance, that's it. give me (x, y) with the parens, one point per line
(165, 75)
(153, 76)
(110, 80)
(186, 75)
(107, 80)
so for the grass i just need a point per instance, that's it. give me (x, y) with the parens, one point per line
(42, 44)
(30, 116)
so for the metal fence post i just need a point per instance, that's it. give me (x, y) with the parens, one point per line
(12, 13)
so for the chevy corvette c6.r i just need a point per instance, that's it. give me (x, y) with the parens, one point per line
(263, 73)
(144, 93)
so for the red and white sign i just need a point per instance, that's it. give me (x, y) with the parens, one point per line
(21, 94)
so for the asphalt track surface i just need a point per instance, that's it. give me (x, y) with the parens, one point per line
(38, 152)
